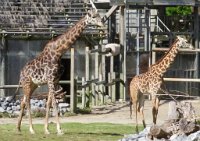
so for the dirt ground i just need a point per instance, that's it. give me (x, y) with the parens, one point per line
(113, 113)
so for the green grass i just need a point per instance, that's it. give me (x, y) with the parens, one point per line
(72, 132)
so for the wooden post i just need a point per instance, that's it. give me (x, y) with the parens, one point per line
(83, 93)
(3, 66)
(113, 88)
(102, 76)
(72, 84)
(93, 92)
(196, 38)
(87, 72)
(122, 37)
(101, 89)
(96, 75)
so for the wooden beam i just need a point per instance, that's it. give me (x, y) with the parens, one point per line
(109, 13)
(180, 50)
(182, 79)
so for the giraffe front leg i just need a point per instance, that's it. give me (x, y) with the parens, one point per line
(55, 107)
(155, 103)
(46, 130)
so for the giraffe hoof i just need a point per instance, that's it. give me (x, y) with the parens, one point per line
(60, 132)
(47, 132)
(32, 131)
(18, 131)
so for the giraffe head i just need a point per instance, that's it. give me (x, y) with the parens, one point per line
(94, 18)
(183, 43)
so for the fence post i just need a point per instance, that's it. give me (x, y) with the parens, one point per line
(96, 76)
(93, 95)
(87, 74)
(83, 93)
(72, 84)
(3, 64)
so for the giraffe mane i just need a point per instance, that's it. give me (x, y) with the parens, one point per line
(157, 62)
(57, 37)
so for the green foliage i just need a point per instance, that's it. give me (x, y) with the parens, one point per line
(86, 110)
(178, 10)
(38, 113)
(7, 115)
(72, 132)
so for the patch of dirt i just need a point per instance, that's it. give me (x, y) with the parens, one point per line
(118, 112)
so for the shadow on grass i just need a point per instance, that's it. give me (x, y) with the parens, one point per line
(90, 133)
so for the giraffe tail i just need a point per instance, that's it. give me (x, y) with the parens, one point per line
(130, 104)
(15, 94)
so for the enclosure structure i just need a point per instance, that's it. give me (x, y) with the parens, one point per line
(140, 28)
(25, 27)
(149, 33)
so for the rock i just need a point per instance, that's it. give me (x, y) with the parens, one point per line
(9, 98)
(194, 137)
(176, 137)
(17, 102)
(16, 112)
(10, 104)
(8, 108)
(18, 108)
(2, 99)
(143, 136)
(9, 111)
(2, 110)
(63, 105)
(13, 108)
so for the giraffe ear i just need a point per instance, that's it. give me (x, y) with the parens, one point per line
(89, 13)
(92, 12)
(178, 37)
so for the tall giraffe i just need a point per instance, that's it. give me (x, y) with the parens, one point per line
(45, 68)
(150, 81)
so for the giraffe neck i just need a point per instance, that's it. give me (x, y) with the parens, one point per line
(163, 64)
(66, 40)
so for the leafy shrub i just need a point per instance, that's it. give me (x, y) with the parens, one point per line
(178, 10)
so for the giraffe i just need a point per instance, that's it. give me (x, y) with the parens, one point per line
(150, 81)
(45, 69)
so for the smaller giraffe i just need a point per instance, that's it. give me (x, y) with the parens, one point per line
(150, 81)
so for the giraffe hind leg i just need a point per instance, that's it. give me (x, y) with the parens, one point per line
(141, 109)
(27, 90)
(23, 104)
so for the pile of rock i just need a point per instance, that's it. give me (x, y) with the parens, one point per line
(180, 126)
(144, 136)
(13, 107)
